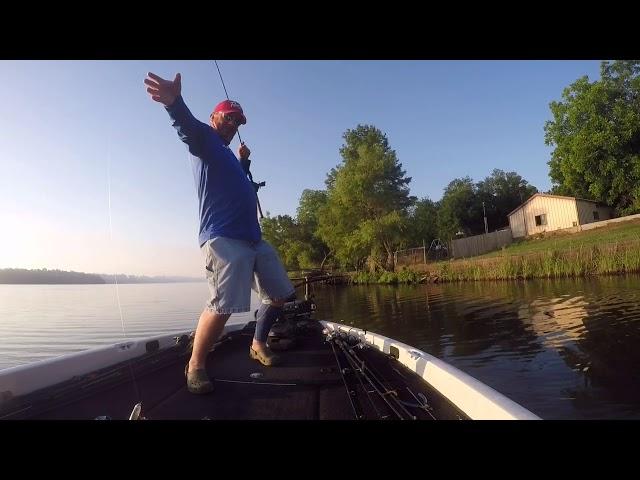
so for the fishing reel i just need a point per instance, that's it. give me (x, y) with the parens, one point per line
(347, 338)
(246, 163)
(257, 186)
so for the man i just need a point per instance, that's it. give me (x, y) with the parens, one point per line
(230, 237)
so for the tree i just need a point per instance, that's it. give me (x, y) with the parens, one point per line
(596, 134)
(311, 201)
(501, 193)
(308, 220)
(282, 233)
(367, 201)
(423, 223)
(296, 239)
(458, 210)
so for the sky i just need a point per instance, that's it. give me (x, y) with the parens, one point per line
(93, 177)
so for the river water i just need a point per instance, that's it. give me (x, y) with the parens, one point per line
(564, 349)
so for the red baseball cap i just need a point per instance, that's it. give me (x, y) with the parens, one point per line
(230, 106)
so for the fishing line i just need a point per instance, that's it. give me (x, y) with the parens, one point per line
(225, 92)
(115, 275)
(248, 162)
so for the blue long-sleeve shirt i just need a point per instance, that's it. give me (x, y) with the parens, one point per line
(227, 199)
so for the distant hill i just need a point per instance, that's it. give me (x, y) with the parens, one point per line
(44, 276)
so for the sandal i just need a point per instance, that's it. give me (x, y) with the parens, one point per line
(197, 381)
(266, 358)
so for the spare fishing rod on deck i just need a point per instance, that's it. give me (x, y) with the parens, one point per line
(245, 163)
(372, 383)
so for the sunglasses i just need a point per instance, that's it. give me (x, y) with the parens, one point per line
(229, 119)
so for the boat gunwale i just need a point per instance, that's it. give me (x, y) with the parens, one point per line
(476, 399)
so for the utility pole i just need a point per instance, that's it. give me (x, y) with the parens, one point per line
(486, 229)
(424, 251)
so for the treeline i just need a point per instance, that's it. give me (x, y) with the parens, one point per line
(595, 133)
(19, 276)
(44, 276)
(366, 212)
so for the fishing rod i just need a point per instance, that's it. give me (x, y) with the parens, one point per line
(376, 378)
(244, 162)
(351, 376)
(373, 382)
(365, 373)
(348, 384)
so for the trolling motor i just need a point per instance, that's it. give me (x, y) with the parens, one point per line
(294, 322)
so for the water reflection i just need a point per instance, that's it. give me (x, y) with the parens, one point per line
(563, 348)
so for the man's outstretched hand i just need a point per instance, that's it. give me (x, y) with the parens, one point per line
(161, 90)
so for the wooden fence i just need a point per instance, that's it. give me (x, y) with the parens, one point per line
(479, 244)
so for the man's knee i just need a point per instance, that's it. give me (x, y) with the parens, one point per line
(209, 313)
(279, 302)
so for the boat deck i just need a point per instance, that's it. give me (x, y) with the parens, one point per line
(308, 385)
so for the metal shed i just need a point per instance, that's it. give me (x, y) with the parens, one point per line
(544, 213)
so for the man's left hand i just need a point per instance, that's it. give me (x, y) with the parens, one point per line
(243, 152)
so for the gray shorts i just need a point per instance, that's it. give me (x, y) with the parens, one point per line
(235, 267)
